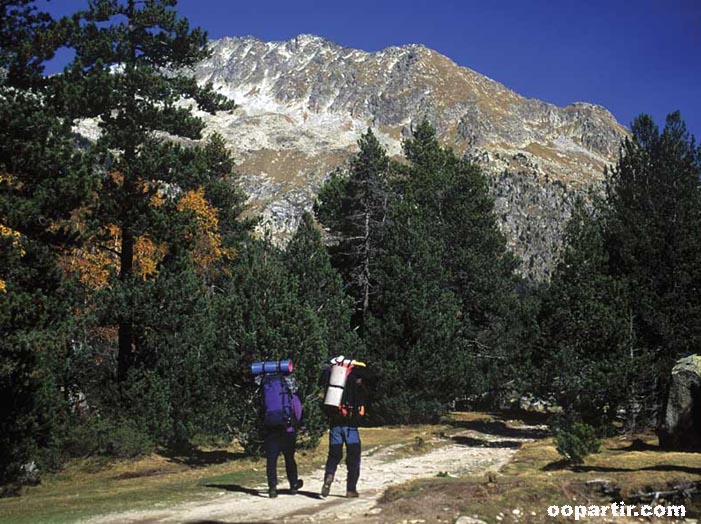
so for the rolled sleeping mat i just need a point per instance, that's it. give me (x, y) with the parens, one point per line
(333, 397)
(339, 375)
(272, 366)
(337, 383)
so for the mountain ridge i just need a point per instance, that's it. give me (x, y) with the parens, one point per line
(303, 103)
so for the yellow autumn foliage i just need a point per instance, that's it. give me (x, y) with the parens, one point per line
(196, 202)
(94, 263)
(117, 178)
(91, 265)
(157, 200)
(8, 232)
(147, 255)
(11, 181)
(207, 240)
(16, 236)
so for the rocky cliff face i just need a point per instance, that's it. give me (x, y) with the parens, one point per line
(304, 103)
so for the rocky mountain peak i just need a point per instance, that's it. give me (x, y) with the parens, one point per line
(304, 102)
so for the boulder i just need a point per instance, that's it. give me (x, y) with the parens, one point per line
(464, 519)
(29, 474)
(681, 426)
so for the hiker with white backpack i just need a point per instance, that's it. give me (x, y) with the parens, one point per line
(347, 392)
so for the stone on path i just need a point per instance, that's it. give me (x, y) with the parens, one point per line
(469, 520)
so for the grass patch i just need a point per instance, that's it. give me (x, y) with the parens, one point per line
(91, 487)
(537, 478)
(533, 480)
(81, 490)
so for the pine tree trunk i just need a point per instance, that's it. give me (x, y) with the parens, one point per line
(126, 333)
(366, 268)
(633, 407)
(126, 259)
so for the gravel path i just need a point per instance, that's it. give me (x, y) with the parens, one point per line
(379, 470)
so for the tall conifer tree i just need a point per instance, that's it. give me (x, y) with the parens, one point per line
(321, 287)
(129, 74)
(354, 209)
(587, 356)
(653, 224)
(43, 180)
(446, 282)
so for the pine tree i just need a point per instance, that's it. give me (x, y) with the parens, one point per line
(43, 180)
(128, 73)
(354, 210)
(173, 394)
(413, 335)
(28, 38)
(454, 194)
(260, 315)
(653, 219)
(587, 360)
(454, 200)
(147, 235)
(623, 303)
(321, 288)
(446, 285)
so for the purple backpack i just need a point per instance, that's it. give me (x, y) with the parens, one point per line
(278, 408)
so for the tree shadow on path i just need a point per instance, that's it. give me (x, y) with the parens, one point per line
(237, 488)
(197, 458)
(480, 443)
(228, 522)
(564, 464)
(659, 467)
(501, 429)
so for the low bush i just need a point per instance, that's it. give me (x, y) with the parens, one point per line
(577, 440)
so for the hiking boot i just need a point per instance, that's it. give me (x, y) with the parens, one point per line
(326, 488)
(272, 492)
(352, 494)
(295, 486)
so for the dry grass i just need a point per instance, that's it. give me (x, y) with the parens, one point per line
(291, 167)
(569, 163)
(536, 478)
(89, 487)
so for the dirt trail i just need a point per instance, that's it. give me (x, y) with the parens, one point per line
(379, 470)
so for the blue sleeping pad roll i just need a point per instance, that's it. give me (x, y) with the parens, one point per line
(272, 366)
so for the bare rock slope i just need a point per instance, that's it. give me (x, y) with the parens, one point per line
(303, 104)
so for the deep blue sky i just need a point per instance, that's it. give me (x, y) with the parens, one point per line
(629, 56)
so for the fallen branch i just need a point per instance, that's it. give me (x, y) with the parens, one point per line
(679, 491)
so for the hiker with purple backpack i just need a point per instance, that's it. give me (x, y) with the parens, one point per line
(282, 415)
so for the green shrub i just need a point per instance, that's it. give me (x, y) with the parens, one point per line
(105, 437)
(576, 441)
(126, 440)
(405, 408)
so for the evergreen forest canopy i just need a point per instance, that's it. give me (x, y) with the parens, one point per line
(134, 296)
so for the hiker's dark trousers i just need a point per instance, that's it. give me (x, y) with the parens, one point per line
(349, 436)
(277, 442)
